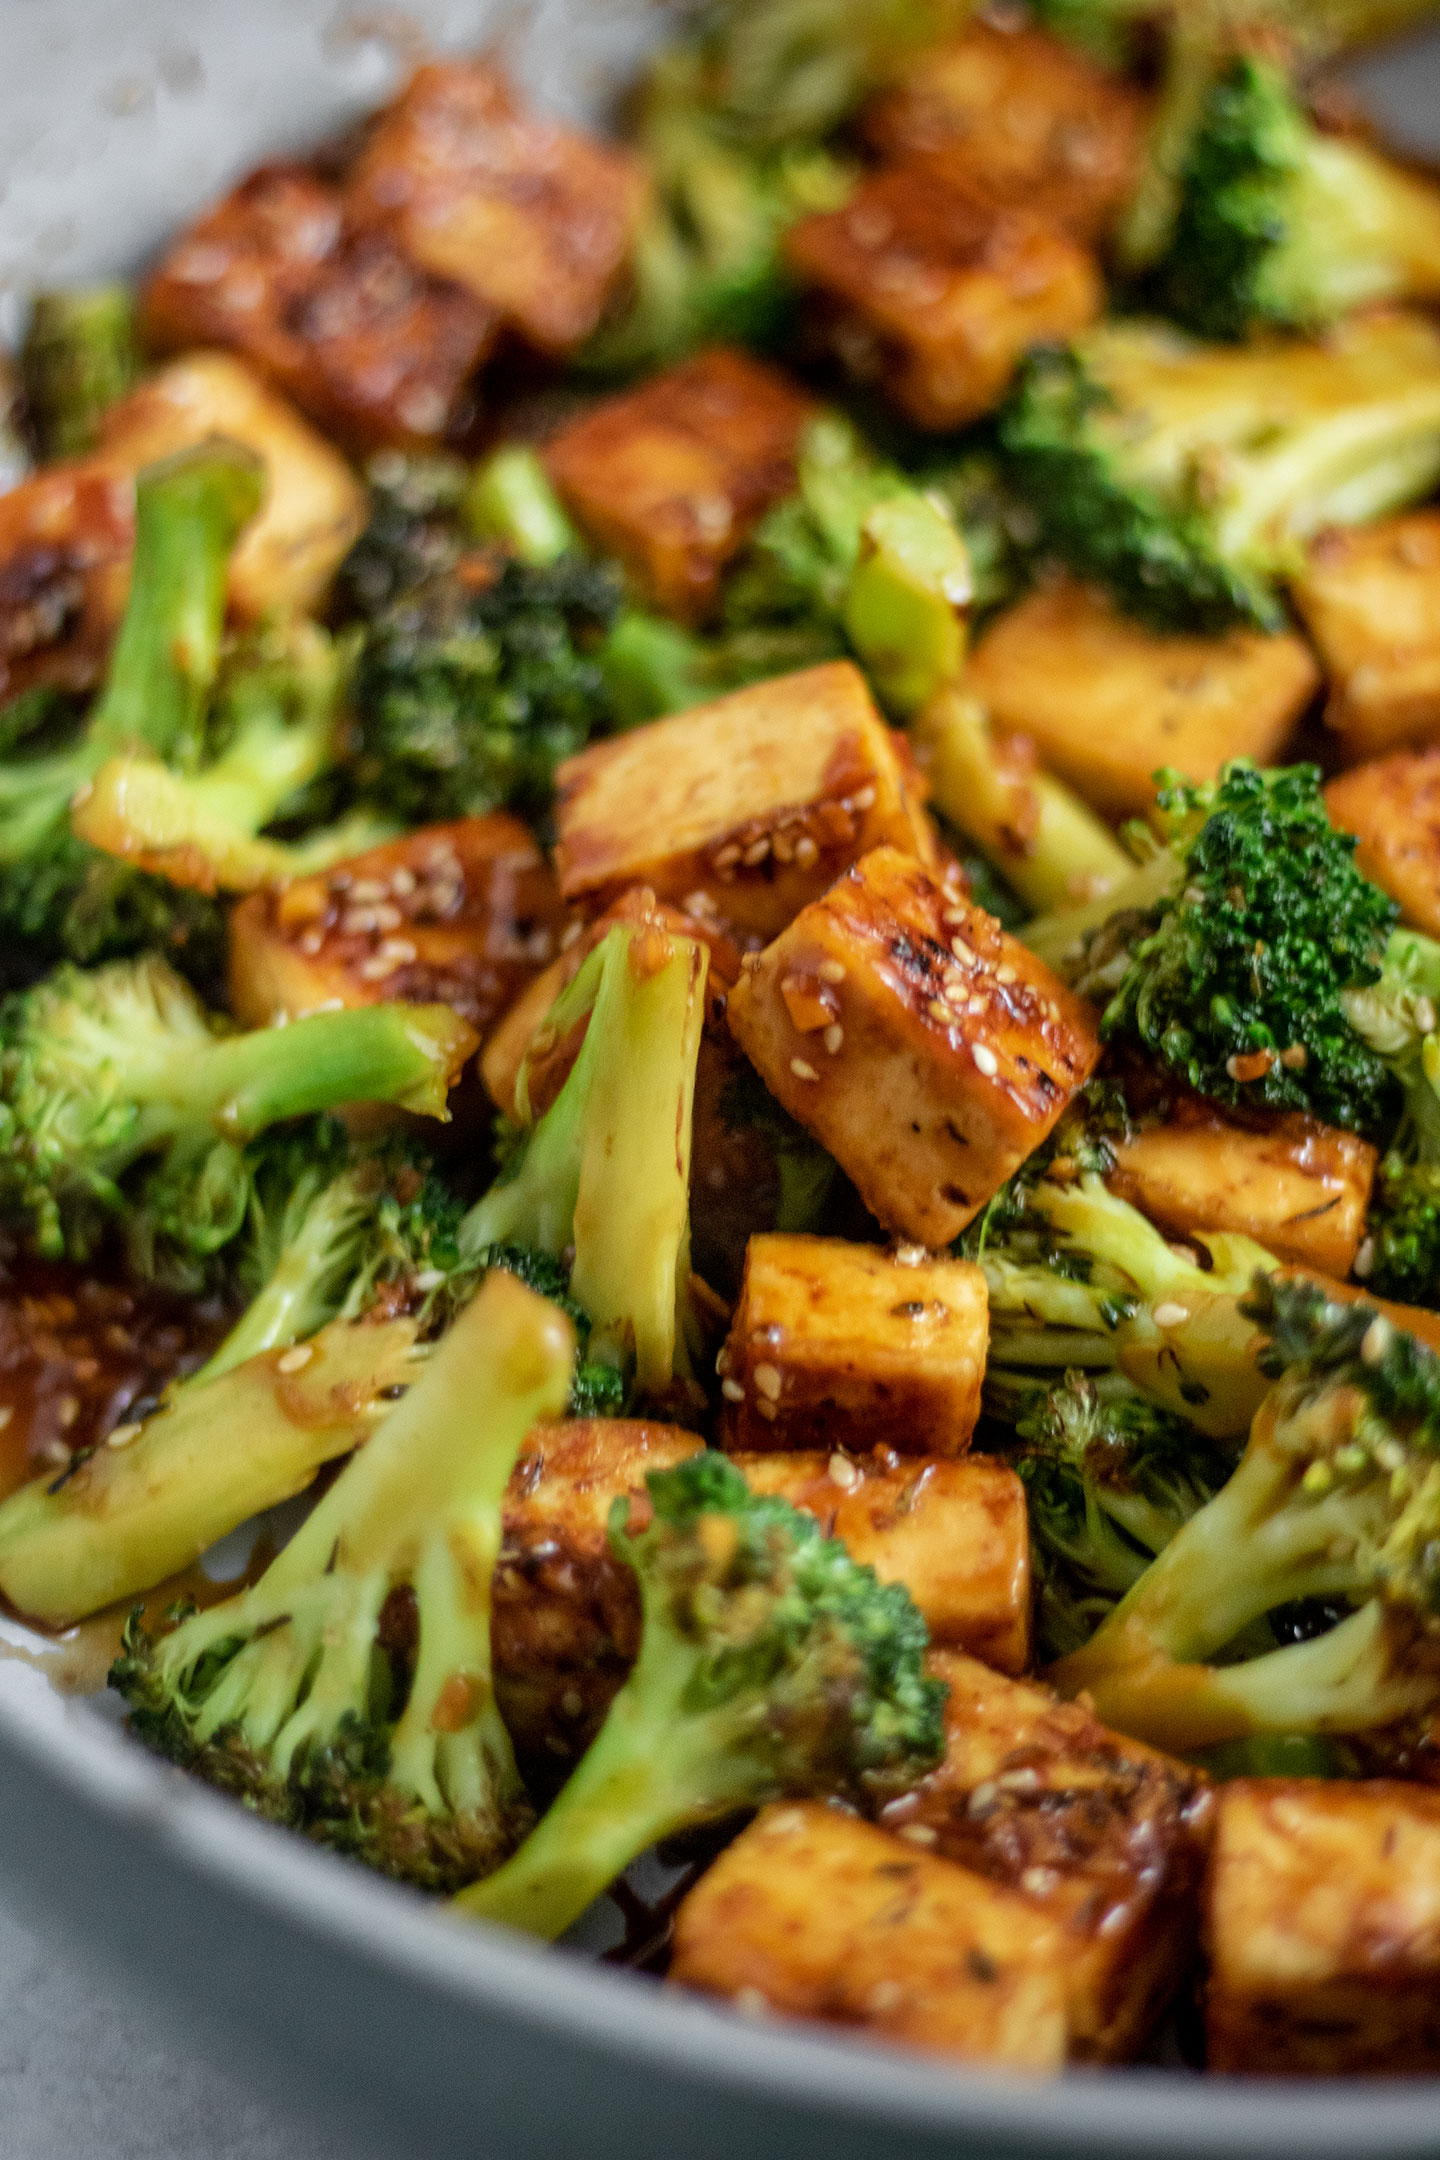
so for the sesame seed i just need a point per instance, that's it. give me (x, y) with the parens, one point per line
(572, 933)
(572, 1702)
(727, 857)
(750, 962)
(833, 1037)
(378, 967)
(732, 1391)
(952, 916)
(768, 1379)
(66, 1411)
(785, 1822)
(962, 951)
(940, 1011)
(388, 917)
(123, 1435)
(311, 943)
(843, 1473)
(1170, 1315)
(295, 1360)
(398, 949)
(920, 1833)
(755, 853)
(7, 1410)
(831, 971)
(909, 1255)
(402, 881)
(986, 1061)
(984, 1796)
(865, 800)
(367, 889)
(359, 921)
(802, 1071)
(767, 1411)
(1005, 975)
(1039, 1881)
(1365, 1259)
(806, 851)
(1375, 1341)
(429, 1278)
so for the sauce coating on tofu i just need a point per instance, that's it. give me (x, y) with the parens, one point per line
(934, 293)
(674, 476)
(1392, 805)
(463, 914)
(1370, 598)
(64, 532)
(919, 1042)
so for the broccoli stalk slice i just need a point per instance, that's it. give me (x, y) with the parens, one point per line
(607, 1169)
(324, 1238)
(510, 499)
(770, 1663)
(1337, 1496)
(287, 1694)
(80, 357)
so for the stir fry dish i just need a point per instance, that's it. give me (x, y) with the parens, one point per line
(720, 910)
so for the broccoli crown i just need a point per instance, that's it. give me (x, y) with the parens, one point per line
(414, 532)
(1238, 980)
(68, 901)
(1400, 1257)
(80, 356)
(597, 1388)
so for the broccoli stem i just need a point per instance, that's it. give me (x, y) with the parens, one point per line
(904, 607)
(79, 358)
(1058, 938)
(652, 668)
(284, 1310)
(510, 499)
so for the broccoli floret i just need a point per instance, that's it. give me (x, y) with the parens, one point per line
(349, 1692)
(80, 357)
(805, 1174)
(415, 531)
(770, 1664)
(125, 1106)
(1397, 1018)
(1400, 1255)
(606, 1170)
(1337, 1497)
(1184, 477)
(510, 501)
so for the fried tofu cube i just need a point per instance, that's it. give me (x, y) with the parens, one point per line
(1105, 1837)
(565, 1615)
(366, 342)
(66, 534)
(755, 803)
(533, 219)
(1370, 598)
(954, 1532)
(838, 1345)
(1392, 805)
(1322, 1927)
(811, 1913)
(1299, 1188)
(464, 914)
(1107, 702)
(673, 477)
(314, 508)
(1019, 116)
(918, 1041)
(934, 294)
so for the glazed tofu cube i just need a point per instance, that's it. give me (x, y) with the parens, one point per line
(755, 803)
(370, 346)
(1392, 805)
(1019, 116)
(314, 508)
(837, 1345)
(565, 1615)
(464, 915)
(1370, 599)
(811, 1913)
(1107, 702)
(1103, 1836)
(1322, 1927)
(918, 1041)
(674, 477)
(1299, 1188)
(65, 539)
(934, 294)
(532, 219)
(954, 1532)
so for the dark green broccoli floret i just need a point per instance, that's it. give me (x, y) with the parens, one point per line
(805, 1174)
(770, 1664)
(349, 1692)
(79, 358)
(1400, 1257)
(1337, 1497)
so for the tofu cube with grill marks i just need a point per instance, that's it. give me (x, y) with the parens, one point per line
(811, 1913)
(1105, 1837)
(934, 294)
(1392, 805)
(756, 802)
(1106, 702)
(673, 477)
(955, 1532)
(1370, 599)
(1019, 116)
(364, 340)
(532, 219)
(1322, 1929)
(464, 915)
(918, 1041)
(837, 1345)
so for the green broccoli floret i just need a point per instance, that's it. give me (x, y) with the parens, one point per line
(1337, 1497)
(805, 1174)
(1397, 1018)
(606, 1170)
(770, 1664)
(1400, 1255)
(126, 1108)
(1185, 477)
(80, 357)
(349, 1692)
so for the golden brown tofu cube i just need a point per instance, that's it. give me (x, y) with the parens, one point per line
(1322, 1926)
(464, 915)
(674, 477)
(1105, 1837)
(1370, 599)
(954, 1532)
(811, 1913)
(369, 345)
(314, 507)
(65, 533)
(566, 1613)
(1107, 702)
(1299, 1188)
(755, 803)
(934, 294)
(837, 1345)
(1022, 117)
(1392, 805)
(533, 219)
(918, 1041)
